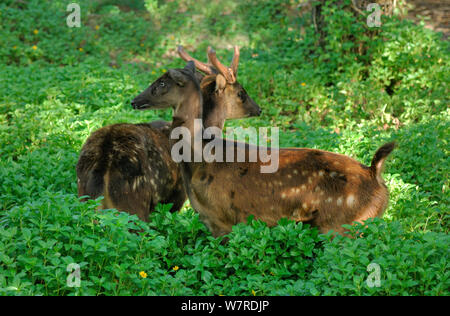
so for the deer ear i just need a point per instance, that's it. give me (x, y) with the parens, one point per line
(178, 77)
(190, 66)
(221, 83)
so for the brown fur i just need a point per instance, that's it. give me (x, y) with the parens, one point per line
(130, 165)
(322, 188)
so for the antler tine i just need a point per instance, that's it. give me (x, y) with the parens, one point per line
(224, 71)
(235, 61)
(200, 66)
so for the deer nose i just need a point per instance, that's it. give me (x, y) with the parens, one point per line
(133, 104)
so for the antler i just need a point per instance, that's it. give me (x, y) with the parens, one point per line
(207, 69)
(235, 61)
(230, 73)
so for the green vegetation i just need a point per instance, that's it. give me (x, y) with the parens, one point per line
(59, 84)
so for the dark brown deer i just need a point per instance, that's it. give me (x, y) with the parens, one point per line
(322, 188)
(130, 164)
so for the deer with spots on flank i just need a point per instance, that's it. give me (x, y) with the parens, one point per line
(313, 186)
(131, 165)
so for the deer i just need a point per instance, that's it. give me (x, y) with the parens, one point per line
(130, 164)
(317, 187)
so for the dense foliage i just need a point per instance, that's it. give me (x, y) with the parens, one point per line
(59, 84)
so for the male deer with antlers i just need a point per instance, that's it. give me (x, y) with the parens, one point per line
(313, 186)
(130, 164)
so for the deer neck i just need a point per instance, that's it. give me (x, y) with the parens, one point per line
(214, 112)
(185, 114)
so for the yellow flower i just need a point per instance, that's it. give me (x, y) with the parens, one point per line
(34, 47)
(143, 274)
(97, 27)
(172, 37)
(14, 47)
(80, 49)
(303, 84)
(36, 32)
(253, 293)
(153, 72)
(164, 70)
(175, 268)
(142, 44)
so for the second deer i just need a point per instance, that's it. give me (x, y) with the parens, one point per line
(322, 188)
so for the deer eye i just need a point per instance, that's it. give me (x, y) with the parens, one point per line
(162, 84)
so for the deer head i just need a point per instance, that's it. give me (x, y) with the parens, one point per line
(169, 90)
(227, 91)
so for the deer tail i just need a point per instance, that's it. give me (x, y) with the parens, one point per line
(380, 156)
